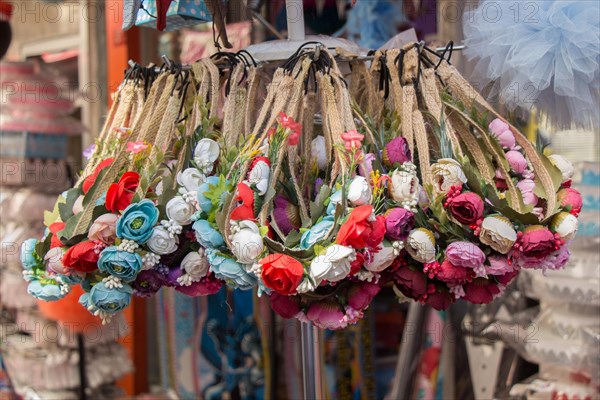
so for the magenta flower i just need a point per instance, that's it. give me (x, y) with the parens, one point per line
(361, 295)
(285, 306)
(326, 315)
(286, 214)
(465, 254)
(398, 223)
(396, 151)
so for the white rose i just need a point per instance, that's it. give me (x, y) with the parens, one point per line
(334, 265)
(382, 259)
(190, 179)
(195, 264)
(318, 152)
(259, 176)
(404, 187)
(205, 154)
(247, 242)
(446, 173)
(565, 224)
(359, 192)
(180, 210)
(161, 241)
(420, 244)
(498, 233)
(564, 165)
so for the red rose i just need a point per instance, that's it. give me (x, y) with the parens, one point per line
(439, 298)
(119, 195)
(358, 232)
(570, 200)
(244, 211)
(453, 274)
(357, 264)
(537, 242)
(481, 291)
(82, 257)
(411, 282)
(466, 208)
(54, 229)
(285, 306)
(507, 278)
(282, 273)
(90, 180)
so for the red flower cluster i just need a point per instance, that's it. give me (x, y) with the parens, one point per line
(292, 125)
(119, 195)
(82, 257)
(361, 230)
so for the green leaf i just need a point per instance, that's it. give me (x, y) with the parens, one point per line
(300, 255)
(293, 239)
(65, 207)
(318, 206)
(263, 230)
(42, 247)
(319, 250)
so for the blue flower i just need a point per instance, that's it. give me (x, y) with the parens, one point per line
(108, 300)
(101, 200)
(206, 235)
(230, 270)
(317, 233)
(205, 203)
(334, 200)
(46, 292)
(137, 221)
(28, 257)
(122, 264)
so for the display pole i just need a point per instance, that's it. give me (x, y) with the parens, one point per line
(295, 19)
(311, 362)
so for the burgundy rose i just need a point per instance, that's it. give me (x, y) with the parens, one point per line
(285, 306)
(411, 282)
(466, 208)
(147, 283)
(361, 295)
(453, 274)
(480, 291)
(506, 278)
(204, 287)
(537, 242)
(439, 298)
(396, 151)
(398, 223)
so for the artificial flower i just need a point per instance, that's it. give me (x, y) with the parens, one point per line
(316, 233)
(259, 174)
(208, 285)
(564, 166)
(565, 225)
(285, 214)
(89, 151)
(362, 229)
(147, 283)
(206, 153)
(136, 147)
(53, 259)
(229, 270)
(91, 179)
(499, 265)
(517, 161)
(162, 241)
(536, 242)
(281, 273)
(180, 211)
(357, 264)
(81, 257)
(334, 200)
(290, 124)
(398, 223)
(465, 254)
(420, 244)
(206, 235)
(352, 140)
(527, 186)
(78, 205)
(247, 243)
(359, 191)
(447, 173)
(361, 295)
(396, 151)
(195, 264)
(501, 131)
(104, 229)
(453, 274)
(204, 202)
(404, 187)
(334, 265)
(497, 232)
(466, 208)
(108, 300)
(29, 259)
(366, 166)
(326, 315)
(45, 292)
(137, 221)
(120, 264)
(411, 281)
(54, 228)
(381, 259)
(190, 179)
(570, 200)
(245, 211)
(481, 291)
(439, 298)
(120, 194)
(285, 306)
(318, 152)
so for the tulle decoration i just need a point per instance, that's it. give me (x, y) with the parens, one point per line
(542, 54)
(372, 23)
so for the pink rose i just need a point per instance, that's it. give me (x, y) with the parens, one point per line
(466, 208)
(570, 200)
(285, 306)
(498, 266)
(361, 295)
(453, 274)
(481, 291)
(398, 223)
(396, 151)
(104, 229)
(516, 161)
(53, 260)
(501, 131)
(411, 282)
(465, 254)
(537, 242)
(562, 258)
(497, 126)
(205, 286)
(526, 187)
(326, 315)
(366, 166)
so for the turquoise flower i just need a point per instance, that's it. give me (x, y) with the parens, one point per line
(230, 271)
(204, 202)
(121, 264)
(137, 221)
(108, 300)
(334, 200)
(28, 257)
(317, 233)
(206, 235)
(46, 292)
(101, 200)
